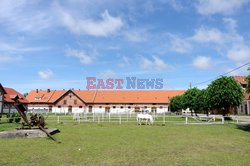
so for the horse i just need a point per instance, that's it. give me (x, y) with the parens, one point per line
(145, 117)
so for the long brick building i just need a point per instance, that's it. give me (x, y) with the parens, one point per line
(64, 101)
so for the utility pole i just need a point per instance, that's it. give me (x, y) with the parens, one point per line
(190, 85)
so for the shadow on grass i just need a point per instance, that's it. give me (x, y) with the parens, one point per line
(245, 127)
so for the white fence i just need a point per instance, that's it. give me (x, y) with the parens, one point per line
(161, 119)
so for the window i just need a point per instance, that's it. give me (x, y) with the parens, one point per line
(80, 106)
(75, 101)
(129, 107)
(161, 107)
(59, 106)
(64, 102)
(114, 107)
(121, 107)
(145, 107)
(100, 106)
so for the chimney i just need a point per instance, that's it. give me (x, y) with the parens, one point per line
(36, 90)
(48, 90)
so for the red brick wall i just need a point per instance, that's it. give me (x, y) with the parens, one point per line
(70, 101)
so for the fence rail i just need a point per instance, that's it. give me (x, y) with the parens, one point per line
(129, 118)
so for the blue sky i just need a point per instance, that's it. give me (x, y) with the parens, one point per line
(57, 44)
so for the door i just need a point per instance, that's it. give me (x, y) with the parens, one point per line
(70, 109)
(107, 109)
(90, 109)
(153, 109)
(50, 108)
(137, 109)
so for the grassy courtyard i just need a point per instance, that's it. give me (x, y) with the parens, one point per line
(129, 144)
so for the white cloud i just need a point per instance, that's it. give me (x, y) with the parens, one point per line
(137, 35)
(208, 35)
(124, 61)
(45, 74)
(176, 4)
(202, 62)
(209, 7)
(79, 54)
(104, 27)
(9, 58)
(180, 45)
(239, 53)
(231, 24)
(24, 16)
(108, 74)
(154, 64)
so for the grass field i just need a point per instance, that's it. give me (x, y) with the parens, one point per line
(129, 144)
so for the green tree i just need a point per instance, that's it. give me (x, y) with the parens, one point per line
(25, 94)
(248, 82)
(201, 103)
(176, 103)
(189, 100)
(223, 94)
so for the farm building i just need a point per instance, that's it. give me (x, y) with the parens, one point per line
(90, 101)
(7, 102)
(244, 108)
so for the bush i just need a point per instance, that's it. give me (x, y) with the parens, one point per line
(14, 117)
(17, 118)
(10, 118)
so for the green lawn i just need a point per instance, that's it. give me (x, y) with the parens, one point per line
(129, 144)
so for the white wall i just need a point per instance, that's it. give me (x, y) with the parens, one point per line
(96, 108)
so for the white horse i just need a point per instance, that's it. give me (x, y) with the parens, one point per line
(147, 118)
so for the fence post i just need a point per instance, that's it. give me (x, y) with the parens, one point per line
(127, 116)
(164, 119)
(109, 116)
(58, 119)
(222, 120)
(93, 116)
(237, 120)
(98, 119)
(120, 119)
(186, 120)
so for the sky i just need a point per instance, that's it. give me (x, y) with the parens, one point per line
(57, 44)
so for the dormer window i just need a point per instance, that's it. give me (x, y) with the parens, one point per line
(38, 98)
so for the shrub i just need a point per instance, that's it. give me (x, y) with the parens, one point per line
(17, 118)
(10, 118)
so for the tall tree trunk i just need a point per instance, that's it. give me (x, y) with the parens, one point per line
(191, 112)
(207, 112)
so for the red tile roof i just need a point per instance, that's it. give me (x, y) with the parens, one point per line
(11, 94)
(122, 96)
(241, 79)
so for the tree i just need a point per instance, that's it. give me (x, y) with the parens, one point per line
(223, 94)
(25, 94)
(189, 100)
(248, 84)
(176, 103)
(201, 103)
